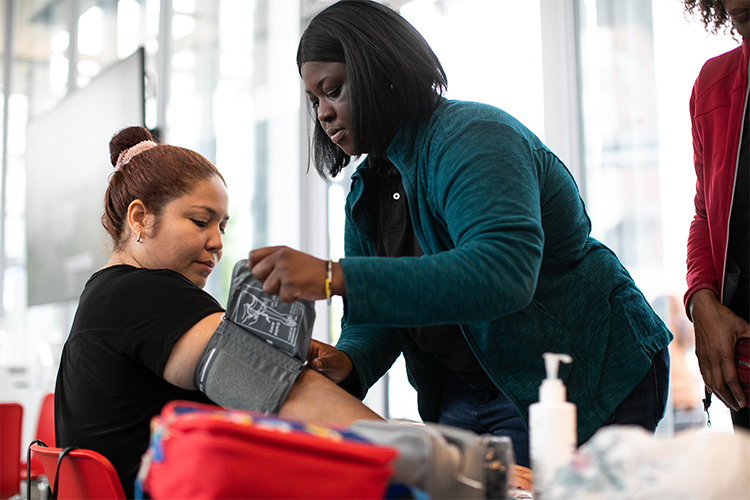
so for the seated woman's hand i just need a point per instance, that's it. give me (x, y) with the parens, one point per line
(329, 361)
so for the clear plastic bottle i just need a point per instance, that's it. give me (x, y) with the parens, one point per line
(552, 426)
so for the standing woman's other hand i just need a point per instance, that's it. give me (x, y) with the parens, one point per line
(293, 275)
(326, 359)
(717, 330)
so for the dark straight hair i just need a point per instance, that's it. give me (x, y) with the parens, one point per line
(392, 73)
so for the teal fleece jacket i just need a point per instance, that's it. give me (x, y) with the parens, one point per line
(507, 256)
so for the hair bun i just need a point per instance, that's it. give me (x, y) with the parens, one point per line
(126, 139)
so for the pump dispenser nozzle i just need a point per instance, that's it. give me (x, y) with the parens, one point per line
(552, 361)
(552, 388)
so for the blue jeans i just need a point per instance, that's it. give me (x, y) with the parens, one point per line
(646, 404)
(482, 409)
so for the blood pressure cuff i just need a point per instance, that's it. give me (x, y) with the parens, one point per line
(258, 350)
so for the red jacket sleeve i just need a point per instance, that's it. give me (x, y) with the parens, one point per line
(701, 272)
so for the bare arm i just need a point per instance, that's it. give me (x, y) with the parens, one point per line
(186, 351)
(312, 397)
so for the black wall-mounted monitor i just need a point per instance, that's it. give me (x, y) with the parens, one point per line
(68, 169)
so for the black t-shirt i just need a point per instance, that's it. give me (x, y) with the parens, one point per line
(396, 238)
(738, 260)
(110, 383)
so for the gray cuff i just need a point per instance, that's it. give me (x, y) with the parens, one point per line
(258, 350)
(239, 370)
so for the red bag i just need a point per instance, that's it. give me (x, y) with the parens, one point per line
(202, 451)
(742, 356)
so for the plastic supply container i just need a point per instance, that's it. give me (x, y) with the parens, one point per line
(552, 426)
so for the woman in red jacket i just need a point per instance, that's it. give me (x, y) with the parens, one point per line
(718, 255)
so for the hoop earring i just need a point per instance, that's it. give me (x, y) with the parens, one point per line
(138, 239)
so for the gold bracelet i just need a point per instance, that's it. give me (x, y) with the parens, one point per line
(329, 273)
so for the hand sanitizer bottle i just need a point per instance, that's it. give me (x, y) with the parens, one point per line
(552, 426)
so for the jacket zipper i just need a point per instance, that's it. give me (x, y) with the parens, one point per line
(734, 186)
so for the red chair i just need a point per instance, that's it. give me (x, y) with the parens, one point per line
(11, 420)
(82, 474)
(45, 432)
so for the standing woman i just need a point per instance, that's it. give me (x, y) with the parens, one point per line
(467, 247)
(718, 249)
(143, 320)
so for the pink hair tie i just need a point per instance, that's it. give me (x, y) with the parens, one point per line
(129, 153)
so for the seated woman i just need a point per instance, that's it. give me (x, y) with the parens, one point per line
(144, 320)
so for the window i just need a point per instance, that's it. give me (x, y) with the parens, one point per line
(638, 62)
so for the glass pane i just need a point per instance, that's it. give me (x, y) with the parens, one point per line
(477, 55)
(621, 132)
(40, 76)
(639, 59)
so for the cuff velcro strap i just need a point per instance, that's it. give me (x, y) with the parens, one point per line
(240, 371)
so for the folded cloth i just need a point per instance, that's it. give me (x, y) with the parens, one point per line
(628, 462)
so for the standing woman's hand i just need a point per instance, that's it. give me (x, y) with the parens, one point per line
(717, 330)
(293, 275)
(326, 359)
